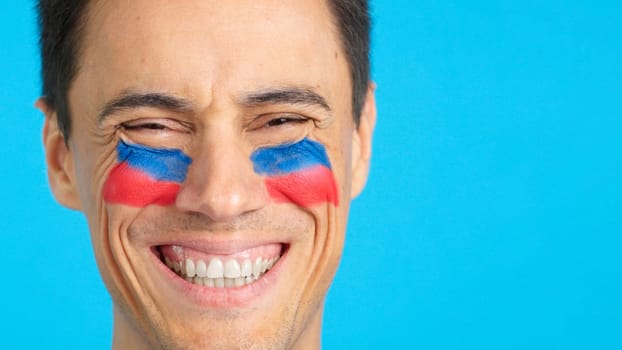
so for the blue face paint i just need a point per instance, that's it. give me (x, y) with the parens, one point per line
(161, 164)
(146, 175)
(298, 173)
(285, 159)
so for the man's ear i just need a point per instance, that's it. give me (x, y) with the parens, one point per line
(59, 159)
(362, 141)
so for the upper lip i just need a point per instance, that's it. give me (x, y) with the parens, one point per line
(220, 246)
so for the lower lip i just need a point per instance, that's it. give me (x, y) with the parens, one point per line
(210, 297)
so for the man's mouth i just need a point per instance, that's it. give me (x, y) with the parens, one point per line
(229, 270)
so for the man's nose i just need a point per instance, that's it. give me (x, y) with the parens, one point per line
(221, 183)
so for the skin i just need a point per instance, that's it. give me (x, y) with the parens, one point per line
(212, 54)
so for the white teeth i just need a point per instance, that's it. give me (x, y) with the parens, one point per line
(219, 275)
(247, 268)
(190, 268)
(232, 269)
(257, 267)
(264, 266)
(215, 269)
(201, 268)
(208, 282)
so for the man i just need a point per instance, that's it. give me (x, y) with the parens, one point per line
(213, 147)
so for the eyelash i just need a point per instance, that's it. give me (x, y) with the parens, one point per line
(149, 126)
(276, 122)
(155, 126)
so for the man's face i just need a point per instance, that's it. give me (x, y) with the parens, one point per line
(227, 85)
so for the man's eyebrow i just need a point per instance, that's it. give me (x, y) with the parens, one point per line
(132, 100)
(293, 95)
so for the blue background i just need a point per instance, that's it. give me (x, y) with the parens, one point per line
(492, 218)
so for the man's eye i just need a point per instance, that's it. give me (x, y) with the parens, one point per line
(156, 125)
(145, 126)
(283, 120)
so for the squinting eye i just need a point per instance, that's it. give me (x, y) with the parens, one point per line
(156, 125)
(283, 120)
(149, 126)
(158, 132)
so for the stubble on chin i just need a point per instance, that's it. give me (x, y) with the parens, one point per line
(279, 339)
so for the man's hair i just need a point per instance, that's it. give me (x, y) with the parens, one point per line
(61, 28)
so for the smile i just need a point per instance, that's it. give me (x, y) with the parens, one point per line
(232, 270)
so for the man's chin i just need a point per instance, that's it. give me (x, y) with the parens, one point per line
(230, 333)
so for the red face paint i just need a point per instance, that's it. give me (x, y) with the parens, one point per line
(145, 175)
(298, 173)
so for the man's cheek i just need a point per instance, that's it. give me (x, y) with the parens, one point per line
(298, 173)
(145, 176)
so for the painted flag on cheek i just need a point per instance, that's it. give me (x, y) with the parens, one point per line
(298, 173)
(146, 175)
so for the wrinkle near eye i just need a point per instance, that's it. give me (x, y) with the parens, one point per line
(278, 128)
(324, 122)
(156, 135)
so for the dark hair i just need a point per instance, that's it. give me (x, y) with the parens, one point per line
(354, 24)
(61, 25)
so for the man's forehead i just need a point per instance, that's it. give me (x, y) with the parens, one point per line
(256, 45)
(249, 22)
